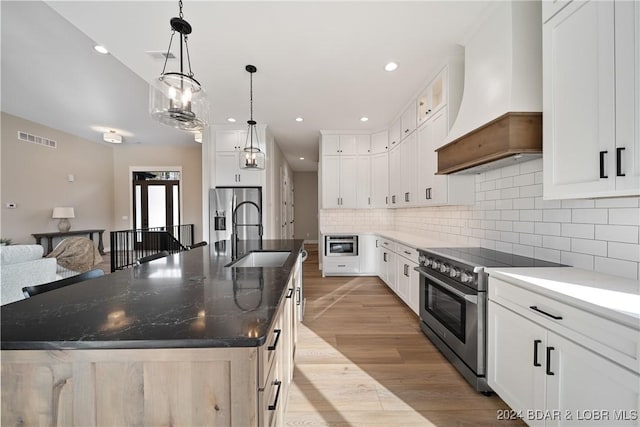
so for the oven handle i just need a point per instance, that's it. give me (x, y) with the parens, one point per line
(468, 297)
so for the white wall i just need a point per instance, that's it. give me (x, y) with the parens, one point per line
(306, 205)
(510, 216)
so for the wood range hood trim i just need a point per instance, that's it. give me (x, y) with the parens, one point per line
(511, 134)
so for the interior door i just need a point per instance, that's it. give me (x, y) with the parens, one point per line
(156, 205)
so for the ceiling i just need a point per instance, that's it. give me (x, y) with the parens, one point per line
(323, 61)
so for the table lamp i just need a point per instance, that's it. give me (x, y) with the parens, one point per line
(63, 213)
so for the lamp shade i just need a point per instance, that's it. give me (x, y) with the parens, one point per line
(63, 212)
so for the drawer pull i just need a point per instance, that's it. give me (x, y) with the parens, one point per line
(549, 349)
(342, 265)
(535, 352)
(275, 342)
(407, 252)
(535, 308)
(602, 173)
(275, 401)
(298, 292)
(290, 294)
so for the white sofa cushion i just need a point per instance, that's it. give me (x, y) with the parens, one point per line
(20, 266)
(20, 253)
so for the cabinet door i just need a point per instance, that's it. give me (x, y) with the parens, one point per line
(363, 144)
(330, 182)
(414, 288)
(516, 359)
(408, 120)
(395, 177)
(379, 142)
(363, 183)
(227, 169)
(395, 131)
(250, 178)
(381, 265)
(584, 382)
(228, 140)
(392, 277)
(627, 17)
(367, 253)
(348, 182)
(330, 145)
(348, 144)
(380, 180)
(438, 131)
(578, 101)
(409, 175)
(438, 90)
(404, 279)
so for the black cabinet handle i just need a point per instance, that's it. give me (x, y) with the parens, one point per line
(549, 349)
(619, 161)
(406, 270)
(275, 342)
(384, 256)
(535, 352)
(602, 175)
(386, 200)
(290, 294)
(535, 308)
(275, 401)
(298, 294)
(407, 252)
(406, 130)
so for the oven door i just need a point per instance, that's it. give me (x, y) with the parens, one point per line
(341, 246)
(455, 313)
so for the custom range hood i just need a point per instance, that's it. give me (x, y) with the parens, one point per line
(500, 117)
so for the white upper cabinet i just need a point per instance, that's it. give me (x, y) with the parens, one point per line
(229, 145)
(395, 177)
(380, 180)
(408, 167)
(380, 142)
(408, 121)
(363, 183)
(433, 98)
(395, 133)
(330, 145)
(363, 144)
(348, 144)
(230, 140)
(590, 84)
(343, 175)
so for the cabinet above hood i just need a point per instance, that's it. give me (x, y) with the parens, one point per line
(500, 119)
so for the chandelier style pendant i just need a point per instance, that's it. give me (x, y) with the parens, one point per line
(253, 158)
(177, 99)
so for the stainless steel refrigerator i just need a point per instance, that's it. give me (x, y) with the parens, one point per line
(234, 213)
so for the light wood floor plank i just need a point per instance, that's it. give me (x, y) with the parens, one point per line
(362, 360)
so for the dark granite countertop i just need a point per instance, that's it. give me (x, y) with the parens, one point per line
(185, 300)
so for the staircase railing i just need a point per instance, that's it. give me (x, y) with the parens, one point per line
(128, 246)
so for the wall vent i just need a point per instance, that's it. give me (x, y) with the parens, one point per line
(157, 54)
(24, 136)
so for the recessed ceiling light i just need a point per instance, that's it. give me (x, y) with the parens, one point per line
(112, 137)
(231, 120)
(391, 66)
(299, 119)
(100, 49)
(301, 158)
(364, 119)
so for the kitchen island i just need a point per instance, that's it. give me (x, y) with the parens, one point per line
(183, 340)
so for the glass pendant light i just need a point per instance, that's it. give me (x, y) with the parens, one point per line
(177, 99)
(252, 157)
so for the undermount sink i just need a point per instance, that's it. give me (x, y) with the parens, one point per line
(262, 259)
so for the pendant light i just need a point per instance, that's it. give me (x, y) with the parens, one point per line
(177, 99)
(253, 158)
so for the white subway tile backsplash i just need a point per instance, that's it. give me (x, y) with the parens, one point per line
(538, 177)
(584, 231)
(578, 203)
(548, 228)
(524, 203)
(534, 190)
(523, 227)
(504, 247)
(504, 182)
(510, 193)
(504, 225)
(530, 239)
(523, 250)
(623, 202)
(616, 267)
(492, 234)
(577, 260)
(553, 242)
(624, 216)
(592, 247)
(492, 174)
(531, 215)
(526, 179)
(589, 216)
(510, 215)
(545, 254)
(492, 195)
(556, 215)
(617, 233)
(627, 251)
(488, 185)
(532, 166)
(510, 170)
(504, 204)
(488, 225)
(493, 215)
(547, 204)
(507, 236)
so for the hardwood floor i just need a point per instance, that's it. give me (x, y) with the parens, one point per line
(362, 360)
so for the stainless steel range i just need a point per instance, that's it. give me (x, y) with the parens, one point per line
(453, 303)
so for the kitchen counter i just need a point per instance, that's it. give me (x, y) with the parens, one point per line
(611, 297)
(186, 300)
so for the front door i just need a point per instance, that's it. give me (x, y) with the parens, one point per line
(156, 206)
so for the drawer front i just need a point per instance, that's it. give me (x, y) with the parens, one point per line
(341, 265)
(270, 399)
(603, 336)
(407, 252)
(388, 244)
(267, 353)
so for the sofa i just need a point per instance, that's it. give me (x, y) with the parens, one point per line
(20, 266)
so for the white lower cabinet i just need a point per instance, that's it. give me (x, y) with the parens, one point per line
(549, 379)
(408, 283)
